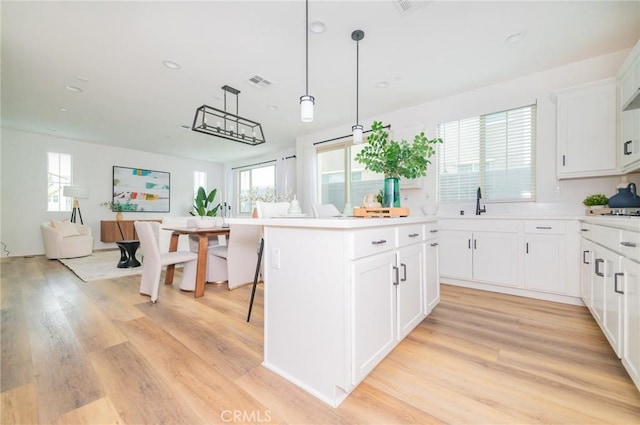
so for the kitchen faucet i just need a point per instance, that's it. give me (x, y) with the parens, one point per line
(478, 209)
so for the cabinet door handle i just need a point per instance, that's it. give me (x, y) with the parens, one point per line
(434, 244)
(474, 244)
(527, 247)
(629, 244)
(544, 227)
(615, 282)
(584, 230)
(584, 259)
(598, 262)
(413, 235)
(469, 243)
(380, 242)
(627, 151)
(433, 231)
(396, 270)
(564, 160)
(404, 272)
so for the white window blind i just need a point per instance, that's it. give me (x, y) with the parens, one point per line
(495, 152)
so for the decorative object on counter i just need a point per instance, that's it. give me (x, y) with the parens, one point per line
(625, 198)
(356, 36)
(596, 203)
(370, 201)
(396, 159)
(224, 124)
(381, 212)
(204, 208)
(294, 207)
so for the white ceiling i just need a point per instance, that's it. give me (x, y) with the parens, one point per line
(115, 50)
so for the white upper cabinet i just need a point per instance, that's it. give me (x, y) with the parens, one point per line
(586, 130)
(628, 89)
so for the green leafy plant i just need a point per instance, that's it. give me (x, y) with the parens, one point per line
(203, 203)
(113, 206)
(396, 159)
(595, 199)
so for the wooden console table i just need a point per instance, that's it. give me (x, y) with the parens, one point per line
(109, 230)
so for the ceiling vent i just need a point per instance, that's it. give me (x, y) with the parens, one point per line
(407, 6)
(258, 81)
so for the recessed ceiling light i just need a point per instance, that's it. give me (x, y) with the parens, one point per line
(171, 65)
(74, 89)
(272, 107)
(63, 109)
(382, 84)
(317, 27)
(516, 37)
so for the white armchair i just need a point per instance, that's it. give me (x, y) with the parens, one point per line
(64, 239)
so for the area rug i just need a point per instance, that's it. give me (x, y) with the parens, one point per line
(99, 265)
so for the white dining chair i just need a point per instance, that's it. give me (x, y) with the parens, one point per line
(154, 261)
(324, 210)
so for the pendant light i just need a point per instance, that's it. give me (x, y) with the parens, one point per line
(357, 35)
(307, 101)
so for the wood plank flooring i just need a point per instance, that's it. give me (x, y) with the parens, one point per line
(100, 353)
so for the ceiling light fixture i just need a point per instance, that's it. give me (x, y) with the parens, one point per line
(307, 101)
(74, 89)
(317, 27)
(171, 64)
(357, 35)
(220, 123)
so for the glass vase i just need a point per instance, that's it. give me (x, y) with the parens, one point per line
(391, 196)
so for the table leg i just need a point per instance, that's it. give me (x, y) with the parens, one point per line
(173, 247)
(201, 273)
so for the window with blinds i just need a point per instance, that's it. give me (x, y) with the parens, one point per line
(495, 152)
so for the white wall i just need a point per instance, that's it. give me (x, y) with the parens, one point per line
(24, 185)
(552, 195)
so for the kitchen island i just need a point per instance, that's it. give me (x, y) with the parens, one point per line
(341, 293)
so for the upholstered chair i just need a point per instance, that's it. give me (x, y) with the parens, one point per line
(64, 239)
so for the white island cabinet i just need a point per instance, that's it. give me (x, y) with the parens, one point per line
(340, 294)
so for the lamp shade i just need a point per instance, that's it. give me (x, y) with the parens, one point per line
(79, 192)
(357, 134)
(306, 108)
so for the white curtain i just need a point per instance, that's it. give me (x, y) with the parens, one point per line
(286, 177)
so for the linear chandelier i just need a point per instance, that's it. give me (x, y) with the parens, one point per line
(224, 124)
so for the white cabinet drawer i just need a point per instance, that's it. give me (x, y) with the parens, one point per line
(431, 230)
(546, 227)
(373, 241)
(630, 244)
(608, 237)
(411, 234)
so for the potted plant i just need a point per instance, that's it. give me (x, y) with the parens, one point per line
(116, 206)
(595, 201)
(203, 205)
(396, 159)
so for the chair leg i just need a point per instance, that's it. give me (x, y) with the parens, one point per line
(255, 278)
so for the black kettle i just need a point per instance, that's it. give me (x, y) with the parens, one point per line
(625, 198)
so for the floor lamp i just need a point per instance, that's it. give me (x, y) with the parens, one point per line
(76, 192)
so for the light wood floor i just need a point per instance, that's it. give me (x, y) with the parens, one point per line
(100, 353)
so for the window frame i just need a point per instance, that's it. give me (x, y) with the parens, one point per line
(250, 197)
(56, 185)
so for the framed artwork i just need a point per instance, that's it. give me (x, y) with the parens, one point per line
(140, 190)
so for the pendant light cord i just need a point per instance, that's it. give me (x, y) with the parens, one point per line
(357, 79)
(306, 33)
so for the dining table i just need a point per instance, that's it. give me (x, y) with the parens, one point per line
(203, 235)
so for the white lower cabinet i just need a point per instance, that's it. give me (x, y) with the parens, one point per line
(586, 289)
(374, 311)
(614, 278)
(631, 323)
(432, 294)
(545, 260)
(483, 256)
(388, 295)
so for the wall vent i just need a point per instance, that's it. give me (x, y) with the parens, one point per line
(407, 6)
(258, 81)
